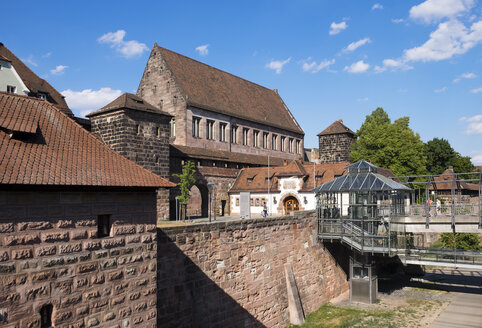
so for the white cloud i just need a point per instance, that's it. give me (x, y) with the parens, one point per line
(358, 67)
(336, 28)
(433, 10)
(314, 67)
(58, 70)
(128, 49)
(377, 6)
(277, 65)
(440, 90)
(477, 160)
(354, 45)
(393, 65)
(203, 50)
(397, 20)
(474, 124)
(30, 60)
(478, 90)
(362, 99)
(89, 100)
(464, 76)
(449, 39)
(47, 55)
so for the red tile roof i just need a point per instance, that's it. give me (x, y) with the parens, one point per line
(209, 88)
(34, 83)
(444, 182)
(259, 175)
(39, 145)
(336, 127)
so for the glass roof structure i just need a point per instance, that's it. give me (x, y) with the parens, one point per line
(361, 176)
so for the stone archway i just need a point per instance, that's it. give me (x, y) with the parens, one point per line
(198, 201)
(294, 201)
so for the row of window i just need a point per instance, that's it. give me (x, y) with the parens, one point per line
(196, 122)
(254, 201)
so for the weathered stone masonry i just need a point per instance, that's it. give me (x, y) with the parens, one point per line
(50, 254)
(231, 274)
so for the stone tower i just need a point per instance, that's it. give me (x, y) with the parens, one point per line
(139, 131)
(335, 143)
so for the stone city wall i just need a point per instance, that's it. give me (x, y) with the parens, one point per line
(50, 255)
(231, 274)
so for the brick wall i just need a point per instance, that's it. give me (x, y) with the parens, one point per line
(335, 148)
(50, 254)
(231, 274)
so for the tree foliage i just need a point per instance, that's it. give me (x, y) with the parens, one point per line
(186, 181)
(441, 155)
(462, 241)
(390, 145)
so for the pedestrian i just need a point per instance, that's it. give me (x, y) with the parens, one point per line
(438, 206)
(264, 213)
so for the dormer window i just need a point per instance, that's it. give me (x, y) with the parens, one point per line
(42, 96)
(250, 180)
(11, 89)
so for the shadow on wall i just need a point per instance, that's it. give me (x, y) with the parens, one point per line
(186, 297)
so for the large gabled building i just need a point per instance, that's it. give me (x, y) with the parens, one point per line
(219, 121)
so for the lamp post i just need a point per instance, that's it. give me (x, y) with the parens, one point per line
(211, 189)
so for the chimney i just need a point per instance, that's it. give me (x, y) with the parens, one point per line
(340, 120)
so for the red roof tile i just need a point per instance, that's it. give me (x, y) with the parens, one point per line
(259, 175)
(34, 83)
(209, 88)
(336, 127)
(130, 101)
(59, 152)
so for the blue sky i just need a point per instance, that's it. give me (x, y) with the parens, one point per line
(329, 59)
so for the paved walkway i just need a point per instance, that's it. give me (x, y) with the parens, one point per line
(465, 309)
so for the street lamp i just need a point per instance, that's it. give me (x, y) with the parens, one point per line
(211, 208)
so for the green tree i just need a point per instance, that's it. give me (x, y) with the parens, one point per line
(186, 181)
(462, 241)
(390, 145)
(441, 155)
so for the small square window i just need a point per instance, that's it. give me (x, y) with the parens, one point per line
(103, 225)
(237, 201)
(11, 89)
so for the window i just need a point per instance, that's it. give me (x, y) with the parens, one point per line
(234, 134)
(263, 201)
(250, 180)
(209, 129)
(46, 316)
(257, 201)
(283, 141)
(255, 138)
(237, 201)
(172, 124)
(158, 132)
(290, 145)
(251, 202)
(138, 129)
(222, 132)
(42, 96)
(274, 141)
(195, 126)
(245, 136)
(265, 140)
(103, 225)
(298, 148)
(11, 89)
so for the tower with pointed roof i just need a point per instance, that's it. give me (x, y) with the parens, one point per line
(335, 143)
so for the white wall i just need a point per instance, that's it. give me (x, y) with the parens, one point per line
(8, 76)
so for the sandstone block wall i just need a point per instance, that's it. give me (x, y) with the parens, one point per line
(335, 148)
(232, 274)
(50, 254)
